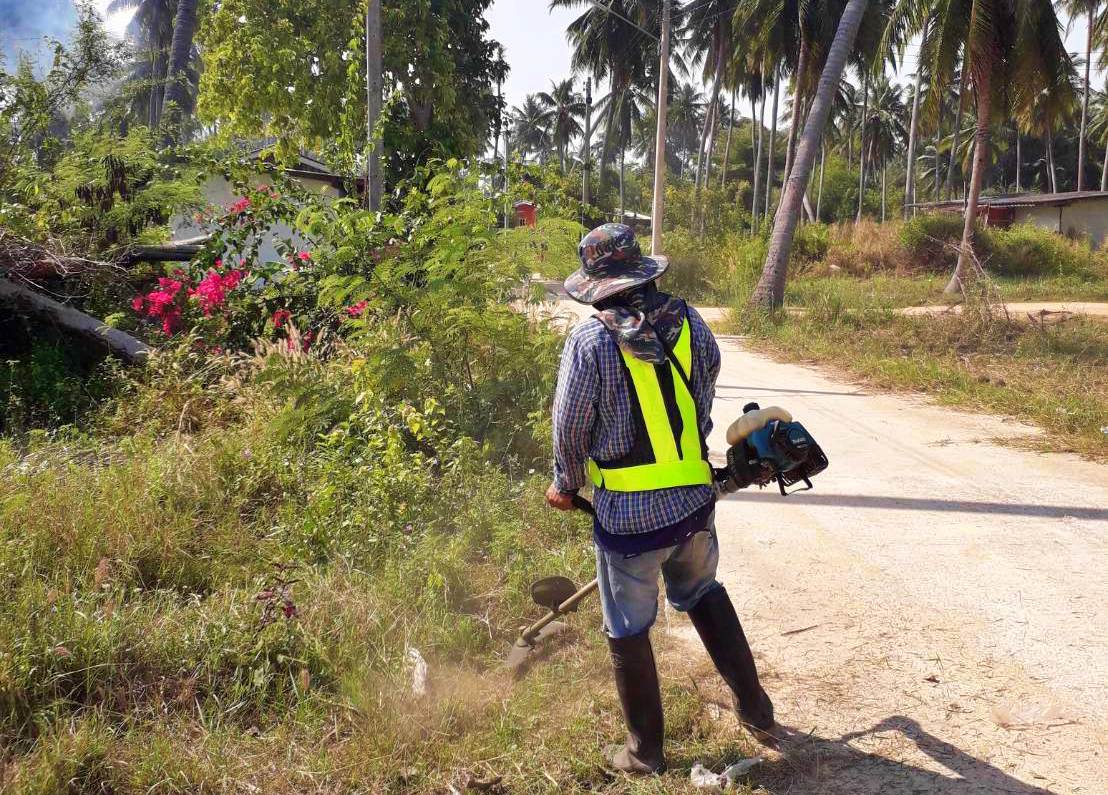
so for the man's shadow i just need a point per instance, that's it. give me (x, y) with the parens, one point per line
(811, 764)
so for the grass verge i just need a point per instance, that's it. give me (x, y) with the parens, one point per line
(228, 585)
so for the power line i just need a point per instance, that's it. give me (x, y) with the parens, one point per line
(608, 8)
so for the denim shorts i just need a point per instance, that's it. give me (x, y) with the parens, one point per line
(629, 583)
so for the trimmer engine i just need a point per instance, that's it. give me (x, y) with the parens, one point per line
(768, 446)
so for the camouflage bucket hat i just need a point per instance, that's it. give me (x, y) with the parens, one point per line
(611, 262)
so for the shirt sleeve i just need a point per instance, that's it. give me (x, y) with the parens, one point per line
(706, 364)
(575, 401)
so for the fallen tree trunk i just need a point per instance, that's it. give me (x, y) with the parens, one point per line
(118, 342)
(36, 261)
(176, 251)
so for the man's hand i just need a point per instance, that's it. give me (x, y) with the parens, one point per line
(556, 498)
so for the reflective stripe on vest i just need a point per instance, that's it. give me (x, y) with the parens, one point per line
(673, 466)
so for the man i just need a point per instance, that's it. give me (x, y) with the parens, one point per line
(633, 410)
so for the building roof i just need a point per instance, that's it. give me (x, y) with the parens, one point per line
(308, 164)
(1020, 200)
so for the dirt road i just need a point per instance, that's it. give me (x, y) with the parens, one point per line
(1024, 310)
(935, 612)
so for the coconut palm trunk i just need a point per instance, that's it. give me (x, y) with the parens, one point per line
(176, 86)
(798, 106)
(710, 116)
(1085, 103)
(913, 128)
(615, 106)
(957, 132)
(622, 155)
(770, 291)
(772, 136)
(727, 143)
(883, 191)
(983, 92)
(862, 148)
(1052, 171)
(1019, 160)
(819, 191)
(758, 161)
(1104, 171)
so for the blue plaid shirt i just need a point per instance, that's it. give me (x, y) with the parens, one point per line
(592, 419)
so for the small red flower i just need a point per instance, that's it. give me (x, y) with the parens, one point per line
(136, 303)
(357, 309)
(280, 317)
(304, 256)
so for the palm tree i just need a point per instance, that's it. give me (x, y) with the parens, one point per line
(770, 291)
(1049, 111)
(608, 46)
(685, 115)
(151, 30)
(1012, 51)
(564, 108)
(530, 125)
(883, 127)
(634, 106)
(709, 21)
(1090, 8)
(180, 50)
(913, 129)
(1099, 131)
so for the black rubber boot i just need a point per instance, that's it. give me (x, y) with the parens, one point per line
(719, 628)
(637, 685)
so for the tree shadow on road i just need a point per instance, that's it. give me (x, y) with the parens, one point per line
(811, 764)
(928, 504)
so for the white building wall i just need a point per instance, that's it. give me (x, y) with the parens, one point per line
(219, 192)
(1045, 217)
(1088, 218)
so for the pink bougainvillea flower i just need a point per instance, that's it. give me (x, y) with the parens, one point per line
(212, 290)
(171, 321)
(136, 303)
(241, 205)
(280, 317)
(304, 256)
(356, 310)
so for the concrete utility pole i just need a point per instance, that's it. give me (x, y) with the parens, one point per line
(374, 182)
(586, 161)
(507, 195)
(658, 210)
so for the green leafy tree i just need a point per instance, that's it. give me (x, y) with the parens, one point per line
(295, 71)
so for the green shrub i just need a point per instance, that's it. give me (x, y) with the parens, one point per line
(1023, 250)
(712, 272)
(1028, 250)
(811, 243)
(930, 241)
(50, 382)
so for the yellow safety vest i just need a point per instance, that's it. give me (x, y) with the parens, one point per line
(677, 455)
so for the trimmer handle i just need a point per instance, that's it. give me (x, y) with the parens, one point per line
(581, 504)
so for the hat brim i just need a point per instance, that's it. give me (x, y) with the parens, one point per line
(591, 289)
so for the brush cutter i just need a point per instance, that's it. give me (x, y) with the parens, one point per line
(559, 595)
